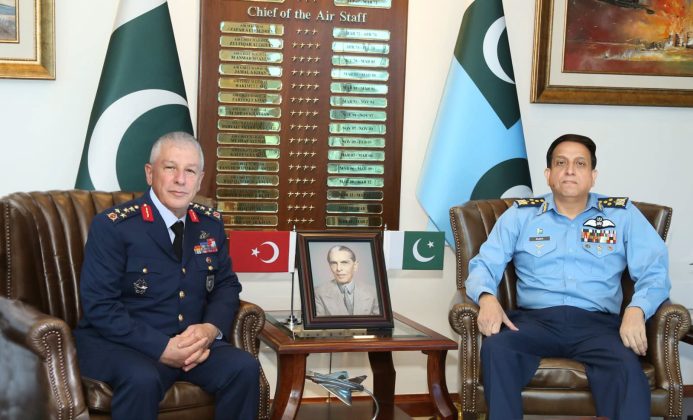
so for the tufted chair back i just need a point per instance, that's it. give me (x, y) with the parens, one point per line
(43, 247)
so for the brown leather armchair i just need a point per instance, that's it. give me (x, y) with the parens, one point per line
(559, 386)
(41, 253)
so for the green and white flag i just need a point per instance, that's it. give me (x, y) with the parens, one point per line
(140, 97)
(413, 250)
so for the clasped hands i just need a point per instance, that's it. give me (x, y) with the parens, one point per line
(189, 348)
(632, 331)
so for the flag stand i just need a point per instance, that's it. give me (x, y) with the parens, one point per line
(292, 321)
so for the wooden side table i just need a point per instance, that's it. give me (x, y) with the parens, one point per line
(293, 348)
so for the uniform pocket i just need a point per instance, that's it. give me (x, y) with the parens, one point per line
(542, 255)
(207, 262)
(140, 276)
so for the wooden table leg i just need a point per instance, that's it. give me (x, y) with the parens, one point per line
(291, 377)
(437, 388)
(383, 382)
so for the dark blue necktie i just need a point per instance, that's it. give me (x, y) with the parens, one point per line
(178, 229)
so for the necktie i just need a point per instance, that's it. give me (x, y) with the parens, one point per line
(349, 301)
(178, 228)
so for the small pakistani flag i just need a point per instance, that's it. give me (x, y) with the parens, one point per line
(140, 97)
(414, 250)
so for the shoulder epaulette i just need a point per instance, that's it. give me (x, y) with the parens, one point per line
(206, 211)
(529, 202)
(121, 213)
(613, 202)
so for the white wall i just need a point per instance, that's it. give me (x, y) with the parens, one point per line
(643, 152)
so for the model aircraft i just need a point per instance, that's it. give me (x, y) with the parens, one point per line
(629, 4)
(338, 384)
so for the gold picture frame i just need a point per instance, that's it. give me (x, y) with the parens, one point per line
(32, 54)
(550, 84)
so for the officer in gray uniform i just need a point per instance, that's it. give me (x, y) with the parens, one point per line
(158, 295)
(569, 249)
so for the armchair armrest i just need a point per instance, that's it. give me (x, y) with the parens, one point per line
(35, 342)
(245, 332)
(664, 330)
(463, 320)
(246, 328)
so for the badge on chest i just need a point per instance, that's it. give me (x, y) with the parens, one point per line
(599, 231)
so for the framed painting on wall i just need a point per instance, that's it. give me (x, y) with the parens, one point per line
(615, 52)
(27, 39)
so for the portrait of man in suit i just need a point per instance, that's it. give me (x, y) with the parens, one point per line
(346, 294)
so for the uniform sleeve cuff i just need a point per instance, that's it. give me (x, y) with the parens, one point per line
(476, 294)
(644, 306)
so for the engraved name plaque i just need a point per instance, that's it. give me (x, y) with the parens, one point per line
(300, 109)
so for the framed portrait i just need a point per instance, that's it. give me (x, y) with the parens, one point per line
(27, 39)
(343, 280)
(613, 52)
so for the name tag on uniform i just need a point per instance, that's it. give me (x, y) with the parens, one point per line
(539, 238)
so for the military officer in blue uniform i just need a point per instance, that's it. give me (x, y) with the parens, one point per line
(158, 295)
(569, 249)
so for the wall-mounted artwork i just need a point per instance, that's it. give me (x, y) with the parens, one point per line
(615, 52)
(8, 21)
(652, 37)
(27, 39)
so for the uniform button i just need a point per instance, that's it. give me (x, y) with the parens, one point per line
(180, 317)
(144, 270)
(210, 268)
(181, 294)
(183, 270)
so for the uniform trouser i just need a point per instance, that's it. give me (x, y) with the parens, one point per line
(510, 359)
(139, 383)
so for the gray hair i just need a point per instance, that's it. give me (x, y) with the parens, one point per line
(178, 138)
(341, 248)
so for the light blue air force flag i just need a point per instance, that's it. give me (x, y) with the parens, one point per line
(477, 149)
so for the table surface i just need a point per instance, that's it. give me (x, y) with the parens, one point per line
(406, 335)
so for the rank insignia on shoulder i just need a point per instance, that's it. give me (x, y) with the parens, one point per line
(147, 213)
(207, 211)
(122, 213)
(529, 202)
(193, 216)
(612, 202)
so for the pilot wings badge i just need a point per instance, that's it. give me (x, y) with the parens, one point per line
(140, 286)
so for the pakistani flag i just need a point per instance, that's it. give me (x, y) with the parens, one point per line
(413, 250)
(477, 149)
(140, 97)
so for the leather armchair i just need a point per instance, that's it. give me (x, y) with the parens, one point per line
(41, 253)
(559, 386)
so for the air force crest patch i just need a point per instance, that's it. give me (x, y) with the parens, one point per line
(599, 230)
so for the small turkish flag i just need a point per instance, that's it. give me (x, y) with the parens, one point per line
(262, 251)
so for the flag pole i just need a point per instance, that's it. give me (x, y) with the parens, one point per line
(292, 321)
